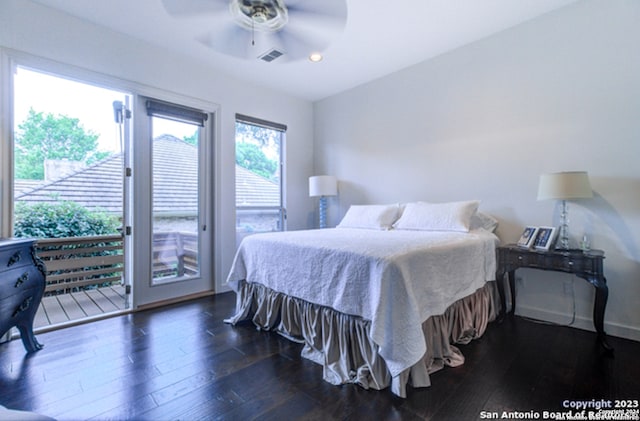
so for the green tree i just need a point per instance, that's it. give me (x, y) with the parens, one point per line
(191, 140)
(60, 220)
(251, 157)
(260, 134)
(41, 137)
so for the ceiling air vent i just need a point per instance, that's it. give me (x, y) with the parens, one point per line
(271, 55)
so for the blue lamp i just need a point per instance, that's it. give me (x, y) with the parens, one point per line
(323, 186)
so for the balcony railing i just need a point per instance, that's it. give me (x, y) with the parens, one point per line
(175, 254)
(84, 274)
(83, 278)
(77, 263)
(255, 219)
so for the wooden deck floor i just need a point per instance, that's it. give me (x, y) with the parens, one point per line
(69, 308)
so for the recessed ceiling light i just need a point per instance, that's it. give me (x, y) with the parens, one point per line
(315, 57)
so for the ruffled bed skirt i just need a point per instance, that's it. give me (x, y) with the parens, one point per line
(341, 344)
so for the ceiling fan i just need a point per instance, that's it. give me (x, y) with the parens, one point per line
(265, 29)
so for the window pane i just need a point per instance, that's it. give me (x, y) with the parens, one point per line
(175, 201)
(258, 179)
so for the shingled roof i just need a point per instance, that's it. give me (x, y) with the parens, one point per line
(99, 186)
(254, 190)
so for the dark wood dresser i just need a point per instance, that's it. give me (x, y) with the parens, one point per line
(22, 283)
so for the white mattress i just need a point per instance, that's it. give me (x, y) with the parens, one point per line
(396, 279)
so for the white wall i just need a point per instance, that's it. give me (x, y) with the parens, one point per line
(558, 93)
(29, 28)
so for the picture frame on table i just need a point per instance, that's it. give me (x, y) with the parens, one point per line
(545, 238)
(528, 237)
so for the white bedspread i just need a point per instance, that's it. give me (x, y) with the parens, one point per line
(396, 279)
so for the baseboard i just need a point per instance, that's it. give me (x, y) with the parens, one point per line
(612, 329)
(174, 300)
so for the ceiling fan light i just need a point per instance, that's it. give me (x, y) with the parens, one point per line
(315, 57)
(264, 16)
(259, 15)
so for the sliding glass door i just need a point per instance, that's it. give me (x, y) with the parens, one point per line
(68, 192)
(129, 201)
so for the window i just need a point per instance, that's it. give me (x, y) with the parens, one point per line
(177, 190)
(259, 176)
(144, 179)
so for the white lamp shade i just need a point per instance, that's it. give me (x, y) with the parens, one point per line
(323, 185)
(564, 185)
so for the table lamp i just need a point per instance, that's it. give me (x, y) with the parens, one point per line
(323, 186)
(564, 186)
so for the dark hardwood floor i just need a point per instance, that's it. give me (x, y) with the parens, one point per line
(182, 362)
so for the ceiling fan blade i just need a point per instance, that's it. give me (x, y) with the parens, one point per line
(195, 7)
(332, 12)
(316, 24)
(337, 8)
(228, 39)
(319, 33)
(232, 40)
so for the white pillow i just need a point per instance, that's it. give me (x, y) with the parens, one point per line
(379, 217)
(482, 220)
(451, 216)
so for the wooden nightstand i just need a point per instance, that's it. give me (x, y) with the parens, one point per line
(587, 265)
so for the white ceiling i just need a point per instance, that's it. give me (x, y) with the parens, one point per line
(380, 37)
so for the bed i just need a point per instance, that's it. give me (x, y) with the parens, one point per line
(379, 300)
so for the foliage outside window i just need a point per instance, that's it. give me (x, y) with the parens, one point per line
(41, 137)
(251, 144)
(69, 219)
(60, 220)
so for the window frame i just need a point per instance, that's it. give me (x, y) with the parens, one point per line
(281, 209)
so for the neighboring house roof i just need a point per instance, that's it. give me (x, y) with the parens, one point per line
(21, 186)
(175, 175)
(95, 187)
(254, 190)
(99, 186)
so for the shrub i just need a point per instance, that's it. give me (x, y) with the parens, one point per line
(61, 219)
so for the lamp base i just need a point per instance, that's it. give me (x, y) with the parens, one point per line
(323, 212)
(564, 227)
